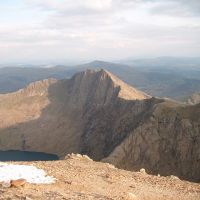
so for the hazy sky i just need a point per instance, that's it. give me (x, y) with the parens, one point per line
(67, 30)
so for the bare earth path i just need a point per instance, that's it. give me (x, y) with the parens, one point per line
(80, 178)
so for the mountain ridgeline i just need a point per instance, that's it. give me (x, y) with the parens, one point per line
(163, 77)
(97, 114)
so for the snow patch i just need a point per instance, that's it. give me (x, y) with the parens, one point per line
(30, 173)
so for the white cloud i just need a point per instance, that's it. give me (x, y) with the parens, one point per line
(101, 29)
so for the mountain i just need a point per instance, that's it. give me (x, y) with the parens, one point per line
(58, 106)
(97, 114)
(165, 78)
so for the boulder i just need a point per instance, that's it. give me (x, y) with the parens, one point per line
(18, 182)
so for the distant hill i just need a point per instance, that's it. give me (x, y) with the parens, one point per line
(165, 62)
(14, 78)
(155, 79)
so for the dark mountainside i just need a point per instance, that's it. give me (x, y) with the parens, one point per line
(97, 114)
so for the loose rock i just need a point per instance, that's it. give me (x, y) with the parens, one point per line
(143, 171)
(18, 182)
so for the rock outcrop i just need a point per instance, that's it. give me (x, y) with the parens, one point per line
(167, 143)
(194, 99)
(96, 114)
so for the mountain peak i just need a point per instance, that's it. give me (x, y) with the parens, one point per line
(100, 73)
(104, 86)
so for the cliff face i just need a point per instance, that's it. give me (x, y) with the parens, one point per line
(167, 143)
(97, 114)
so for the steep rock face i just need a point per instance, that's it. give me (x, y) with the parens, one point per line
(167, 143)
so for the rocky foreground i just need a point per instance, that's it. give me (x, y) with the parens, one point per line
(78, 177)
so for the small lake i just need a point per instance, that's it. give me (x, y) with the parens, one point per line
(14, 155)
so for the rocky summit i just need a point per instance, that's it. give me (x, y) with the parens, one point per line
(97, 114)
